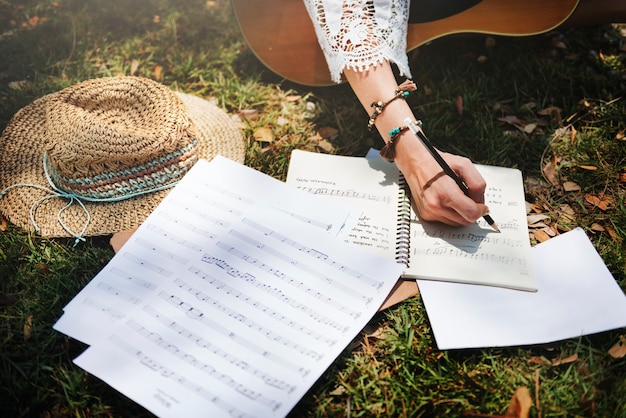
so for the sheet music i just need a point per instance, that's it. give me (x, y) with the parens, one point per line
(211, 198)
(476, 254)
(208, 314)
(371, 185)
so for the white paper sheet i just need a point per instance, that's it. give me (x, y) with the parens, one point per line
(577, 296)
(226, 317)
(211, 197)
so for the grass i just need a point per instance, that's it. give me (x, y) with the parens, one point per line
(394, 367)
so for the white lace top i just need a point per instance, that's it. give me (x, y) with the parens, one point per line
(357, 34)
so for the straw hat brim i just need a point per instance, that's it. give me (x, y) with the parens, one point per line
(21, 162)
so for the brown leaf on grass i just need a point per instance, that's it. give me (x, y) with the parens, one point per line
(620, 136)
(549, 172)
(3, 224)
(613, 234)
(264, 134)
(588, 167)
(293, 98)
(601, 201)
(328, 132)
(520, 404)
(570, 186)
(158, 72)
(541, 235)
(618, 350)
(597, 227)
(134, 66)
(458, 104)
(566, 213)
(326, 146)
(28, 327)
(250, 114)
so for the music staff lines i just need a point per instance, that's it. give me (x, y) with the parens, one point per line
(314, 253)
(117, 292)
(137, 281)
(311, 291)
(174, 238)
(233, 360)
(161, 252)
(113, 313)
(189, 226)
(450, 251)
(159, 368)
(196, 314)
(274, 292)
(205, 202)
(209, 370)
(349, 193)
(252, 324)
(220, 190)
(306, 220)
(147, 265)
(348, 290)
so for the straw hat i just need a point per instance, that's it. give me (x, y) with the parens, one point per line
(97, 157)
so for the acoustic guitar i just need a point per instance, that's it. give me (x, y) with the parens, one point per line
(281, 34)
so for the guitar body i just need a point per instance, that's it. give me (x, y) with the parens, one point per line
(281, 34)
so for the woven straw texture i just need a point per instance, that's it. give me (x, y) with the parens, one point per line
(104, 126)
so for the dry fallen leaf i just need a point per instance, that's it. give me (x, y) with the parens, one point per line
(134, 66)
(619, 349)
(28, 327)
(549, 171)
(601, 201)
(328, 132)
(3, 224)
(530, 128)
(458, 104)
(613, 234)
(541, 235)
(620, 136)
(326, 146)
(597, 227)
(570, 186)
(264, 134)
(158, 72)
(250, 114)
(588, 167)
(538, 217)
(520, 404)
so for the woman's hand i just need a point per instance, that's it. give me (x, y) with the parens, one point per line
(436, 196)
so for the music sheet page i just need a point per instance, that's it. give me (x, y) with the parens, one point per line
(476, 254)
(372, 185)
(206, 313)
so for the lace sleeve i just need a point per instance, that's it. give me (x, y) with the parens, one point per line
(357, 34)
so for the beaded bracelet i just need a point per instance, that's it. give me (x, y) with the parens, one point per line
(402, 91)
(388, 152)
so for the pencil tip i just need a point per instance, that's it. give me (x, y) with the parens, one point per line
(495, 227)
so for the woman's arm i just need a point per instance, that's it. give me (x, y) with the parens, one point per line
(360, 38)
(436, 195)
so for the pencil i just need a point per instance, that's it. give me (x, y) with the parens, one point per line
(446, 168)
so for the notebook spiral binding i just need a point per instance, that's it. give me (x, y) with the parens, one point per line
(403, 235)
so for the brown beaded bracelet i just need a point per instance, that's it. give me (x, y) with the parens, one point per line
(388, 152)
(402, 91)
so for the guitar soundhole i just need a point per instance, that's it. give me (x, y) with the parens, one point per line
(423, 11)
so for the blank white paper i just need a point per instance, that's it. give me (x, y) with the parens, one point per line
(577, 296)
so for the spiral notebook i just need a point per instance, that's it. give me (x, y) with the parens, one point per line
(475, 254)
